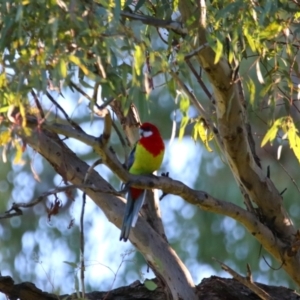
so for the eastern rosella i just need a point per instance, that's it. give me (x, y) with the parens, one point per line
(145, 158)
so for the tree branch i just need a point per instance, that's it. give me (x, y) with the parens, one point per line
(213, 288)
(245, 281)
(168, 24)
(16, 206)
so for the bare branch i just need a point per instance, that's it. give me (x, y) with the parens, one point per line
(245, 281)
(16, 206)
(199, 79)
(81, 91)
(38, 104)
(74, 124)
(191, 96)
(130, 123)
(107, 129)
(168, 24)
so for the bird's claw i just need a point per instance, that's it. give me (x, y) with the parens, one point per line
(165, 174)
(125, 187)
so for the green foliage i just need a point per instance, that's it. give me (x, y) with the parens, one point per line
(72, 264)
(184, 105)
(272, 132)
(251, 88)
(5, 137)
(219, 50)
(260, 33)
(290, 132)
(150, 285)
(201, 131)
(262, 38)
(294, 139)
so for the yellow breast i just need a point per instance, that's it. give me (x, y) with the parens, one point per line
(145, 162)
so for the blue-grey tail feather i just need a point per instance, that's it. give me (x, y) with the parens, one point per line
(137, 207)
(127, 220)
(126, 228)
(131, 214)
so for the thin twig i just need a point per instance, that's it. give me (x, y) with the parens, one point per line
(177, 27)
(74, 124)
(199, 79)
(191, 95)
(272, 268)
(37, 103)
(81, 91)
(100, 68)
(16, 206)
(93, 99)
(199, 108)
(285, 170)
(107, 102)
(197, 50)
(161, 37)
(82, 263)
(105, 136)
(82, 267)
(116, 273)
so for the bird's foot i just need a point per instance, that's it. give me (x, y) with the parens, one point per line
(125, 187)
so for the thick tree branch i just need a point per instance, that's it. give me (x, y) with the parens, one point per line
(213, 288)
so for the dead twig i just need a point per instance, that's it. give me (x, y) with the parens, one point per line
(74, 124)
(38, 104)
(247, 281)
(199, 79)
(16, 210)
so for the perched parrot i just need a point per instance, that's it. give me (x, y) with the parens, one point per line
(145, 158)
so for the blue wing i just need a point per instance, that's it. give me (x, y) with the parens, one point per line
(132, 206)
(131, 158)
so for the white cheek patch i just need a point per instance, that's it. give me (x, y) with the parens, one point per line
(147, 133)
